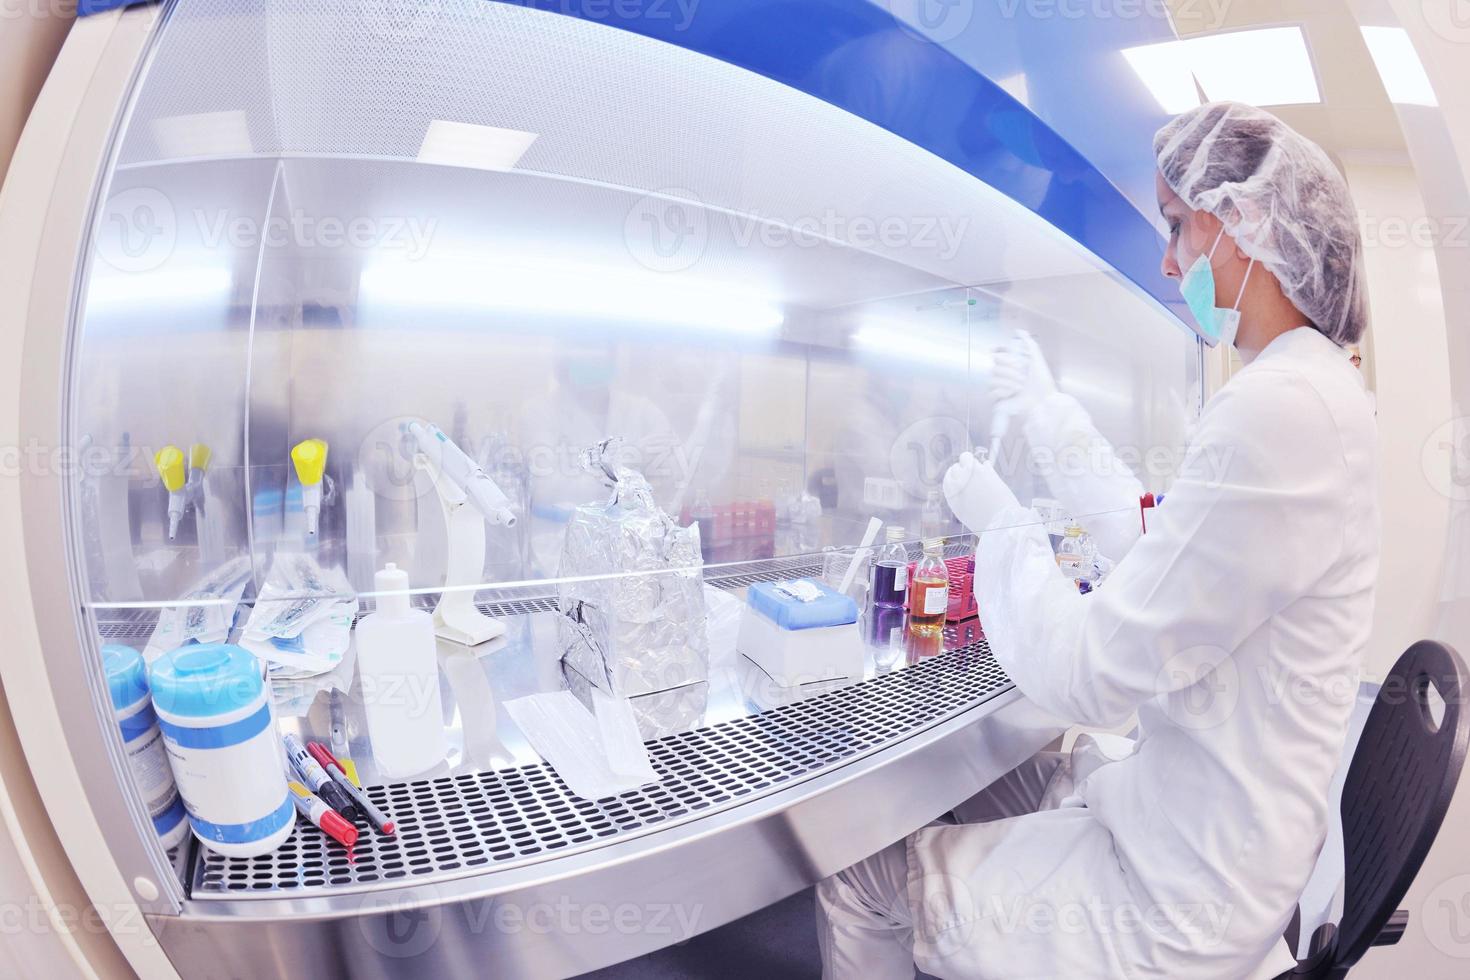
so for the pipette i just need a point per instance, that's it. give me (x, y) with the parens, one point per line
(463, 472)
(874, 525)
(170, 463)
(199, 457)
(1001, 424)
(310, 459)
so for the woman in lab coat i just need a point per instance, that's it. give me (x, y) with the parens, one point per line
(1234, 629)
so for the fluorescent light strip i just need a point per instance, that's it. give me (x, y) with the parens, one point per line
(1271, 66)
(203, 134)
(163, 288)
(910, 345)
(457, 144)
(592, 293)
(1164, 69)
(1399, 66)
(1228, 67)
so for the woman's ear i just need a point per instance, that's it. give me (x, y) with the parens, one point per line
(1245, 216)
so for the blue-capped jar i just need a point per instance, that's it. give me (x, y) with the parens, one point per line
(214, 708)
(127, 684)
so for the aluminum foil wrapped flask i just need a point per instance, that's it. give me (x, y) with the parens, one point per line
(632, 589)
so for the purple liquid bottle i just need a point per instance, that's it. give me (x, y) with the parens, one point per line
(891, 571)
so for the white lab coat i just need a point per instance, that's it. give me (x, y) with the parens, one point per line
(1104, 493)
(1235, 629)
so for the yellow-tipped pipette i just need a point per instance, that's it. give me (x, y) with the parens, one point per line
(170, 463)
(310, 459)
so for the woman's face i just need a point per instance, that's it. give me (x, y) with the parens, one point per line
(1194, 233)
(1191, 233)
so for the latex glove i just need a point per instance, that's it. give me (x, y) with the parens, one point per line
(1021, 378)
(976, 493)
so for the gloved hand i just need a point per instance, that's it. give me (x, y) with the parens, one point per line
(976, 493)
(1021, 378)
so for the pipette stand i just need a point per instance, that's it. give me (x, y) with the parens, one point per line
(456, 618)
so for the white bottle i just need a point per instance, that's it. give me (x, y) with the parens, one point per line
(398, 665)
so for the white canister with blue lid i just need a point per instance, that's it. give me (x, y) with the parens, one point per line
(127, 684)
(214, 708)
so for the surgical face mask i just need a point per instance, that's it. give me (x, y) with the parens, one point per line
(1198, 289)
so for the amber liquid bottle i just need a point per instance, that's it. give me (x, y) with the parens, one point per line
(929, 592)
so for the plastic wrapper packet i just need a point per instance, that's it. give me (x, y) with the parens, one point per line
(632, 591)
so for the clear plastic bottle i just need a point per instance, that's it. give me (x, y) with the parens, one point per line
(1072, 555)
(929, 592)
(891, 570)
(398, 663)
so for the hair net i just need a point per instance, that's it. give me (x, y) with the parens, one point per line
(1282, 201)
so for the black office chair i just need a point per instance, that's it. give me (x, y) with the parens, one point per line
(1397, 791)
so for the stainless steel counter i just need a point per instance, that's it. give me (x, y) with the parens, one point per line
(497, 869)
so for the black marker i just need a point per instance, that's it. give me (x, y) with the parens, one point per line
(316, 778)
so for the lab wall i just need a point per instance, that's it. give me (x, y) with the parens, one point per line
(29, 40)
(1411, 379)
(1437, 943)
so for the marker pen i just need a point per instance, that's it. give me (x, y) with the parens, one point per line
(378, 818)
(317, 779)
(322, 816)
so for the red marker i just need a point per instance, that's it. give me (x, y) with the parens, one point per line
(377, 817)
(331, 823)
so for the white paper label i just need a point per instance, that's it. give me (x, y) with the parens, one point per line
(151, 770)
(236, 784)
(901, 578)
(936, 601)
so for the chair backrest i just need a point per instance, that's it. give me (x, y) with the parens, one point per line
(1398, 789)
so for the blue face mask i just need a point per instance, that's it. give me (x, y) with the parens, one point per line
(1198, 289)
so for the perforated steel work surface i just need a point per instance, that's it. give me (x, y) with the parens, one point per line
(460, 825)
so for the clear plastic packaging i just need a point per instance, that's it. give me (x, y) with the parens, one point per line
(596, 757)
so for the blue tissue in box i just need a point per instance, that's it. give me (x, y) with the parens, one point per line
(782, 603)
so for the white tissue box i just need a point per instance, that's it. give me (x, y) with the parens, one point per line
(803, 656)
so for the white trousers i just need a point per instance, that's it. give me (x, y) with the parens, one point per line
(864, 922)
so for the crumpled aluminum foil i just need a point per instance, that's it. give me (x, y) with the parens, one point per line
(661, 713)
(633, 616)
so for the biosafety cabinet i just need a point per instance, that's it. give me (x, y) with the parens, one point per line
(773, 262)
